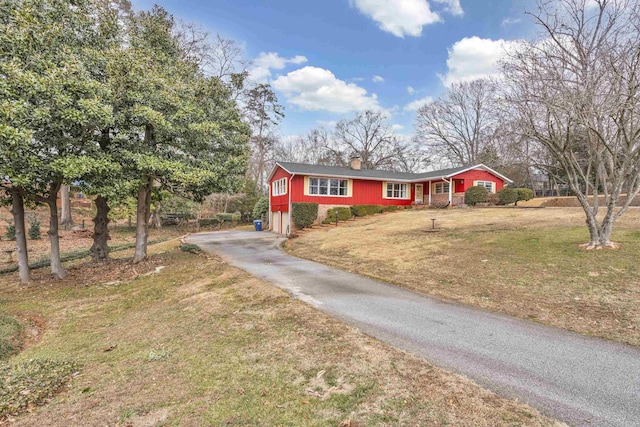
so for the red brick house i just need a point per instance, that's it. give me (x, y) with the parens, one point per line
(332, 186)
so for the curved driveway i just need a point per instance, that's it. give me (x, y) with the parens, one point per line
(576, 379)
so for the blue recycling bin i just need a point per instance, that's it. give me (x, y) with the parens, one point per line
(257, 224)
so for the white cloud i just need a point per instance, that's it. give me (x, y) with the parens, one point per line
(453, 6)
(318, 89)
(399, 17)
(415, 105)
(591, 5)
(377, 79)
(410, 90)
(474, 58)
(327, 123)
(397, 128)
(267, 61)
(510, 21)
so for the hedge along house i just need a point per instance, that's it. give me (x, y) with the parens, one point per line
(332, 186)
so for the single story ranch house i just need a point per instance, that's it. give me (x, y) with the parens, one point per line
(332, 186)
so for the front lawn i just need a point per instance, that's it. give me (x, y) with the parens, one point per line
(522, 262)
(199, 342)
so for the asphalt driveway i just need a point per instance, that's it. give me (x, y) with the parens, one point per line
(577, 379)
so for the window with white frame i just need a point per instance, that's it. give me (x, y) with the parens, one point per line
(441, 188)
(486, 184)
(279, 187)
(396, 190)
(328, 187)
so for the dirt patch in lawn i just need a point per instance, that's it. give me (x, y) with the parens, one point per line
(522, 262)
(202, 343)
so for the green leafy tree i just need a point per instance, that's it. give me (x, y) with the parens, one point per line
(184, 129)
(261, 207)
(50, 103)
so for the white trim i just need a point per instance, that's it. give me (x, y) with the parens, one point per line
(413, 180)
(478, 166)
(273, 170)
(280, 185)
(290, 191)
(435, 184)
(385, 190)
(328, 186)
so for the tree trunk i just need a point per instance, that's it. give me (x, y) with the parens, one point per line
(56, 264)
(142, 218)
(100, 248)
(21, 237)
(65, 202)
(156, 223)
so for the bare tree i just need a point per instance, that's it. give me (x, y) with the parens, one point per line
(461, 125)
(311, 148)
(411, 157)
(367, 136)
(577, 94)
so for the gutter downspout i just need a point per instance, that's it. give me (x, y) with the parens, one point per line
(270, 215)
(288, 230)
(429, 192)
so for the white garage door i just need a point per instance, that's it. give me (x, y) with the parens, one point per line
(275, 222)
(285, 223)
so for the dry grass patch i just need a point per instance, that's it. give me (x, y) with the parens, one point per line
(522, 262)
(203, 343)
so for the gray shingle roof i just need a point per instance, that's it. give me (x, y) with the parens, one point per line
(347, 172)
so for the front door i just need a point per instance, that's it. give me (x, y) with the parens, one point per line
(419, 194)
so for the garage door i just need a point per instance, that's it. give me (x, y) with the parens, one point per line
(285, 223)
(275, 222)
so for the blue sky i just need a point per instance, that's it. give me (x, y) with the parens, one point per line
(328, 59)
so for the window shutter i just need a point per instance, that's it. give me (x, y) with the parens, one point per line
(306, 185)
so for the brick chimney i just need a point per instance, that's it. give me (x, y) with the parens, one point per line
(356, 163)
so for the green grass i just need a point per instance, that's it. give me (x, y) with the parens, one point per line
(10, 336)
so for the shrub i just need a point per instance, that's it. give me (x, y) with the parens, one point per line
(508, 196)
(343, 214)
(230, 217)
(11, 232)
(34, 229)
(524, 194)
(210, 222)
(476, 194)
(261, 208)
(391, 208)
(364, 210)
(493, 199)
(304, 214)
(191, 248)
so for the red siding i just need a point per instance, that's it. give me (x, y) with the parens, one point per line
(364, 193)
(477, 175)
(279, 203)
(367, 192)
